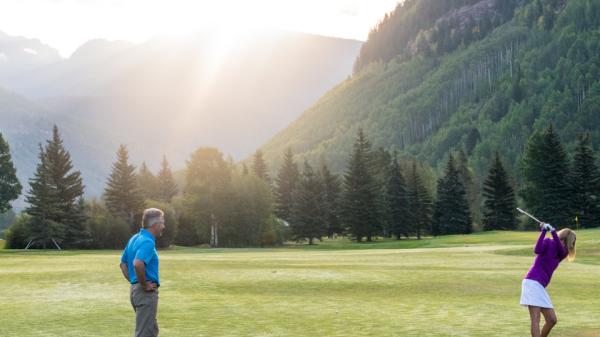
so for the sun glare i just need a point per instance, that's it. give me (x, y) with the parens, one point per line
(53, 22)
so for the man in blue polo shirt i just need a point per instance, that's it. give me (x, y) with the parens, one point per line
(139, 265)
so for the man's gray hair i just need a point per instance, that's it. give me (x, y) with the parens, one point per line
(152, 216)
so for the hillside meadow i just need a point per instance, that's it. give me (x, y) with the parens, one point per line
(445, 286)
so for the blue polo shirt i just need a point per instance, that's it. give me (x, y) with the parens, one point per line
(141, 246)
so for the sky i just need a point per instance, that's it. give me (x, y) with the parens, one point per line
(67, 24)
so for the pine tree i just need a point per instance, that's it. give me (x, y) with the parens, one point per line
(123, 197)
(500, 199)
(260, 167)
(144, 168)
(556, 189)
(70, 188)
(10, 187)
(147, 183)
(309, 219)
(166, 185)
(362, 203)
(451, 214)
(585, 179)
(245, 169)
(531, 167)
(287, 178)
(44, 205)
(80, 237)
(467, 177)
(398, 201)
(333, 194)
(419, 201)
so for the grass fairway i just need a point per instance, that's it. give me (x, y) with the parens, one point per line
(387, 288)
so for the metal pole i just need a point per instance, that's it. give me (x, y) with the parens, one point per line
(56, 244)
(29, 244)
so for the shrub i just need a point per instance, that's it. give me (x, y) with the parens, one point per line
(15, 235)
(205, 245)
(108, 232)
(268, 238)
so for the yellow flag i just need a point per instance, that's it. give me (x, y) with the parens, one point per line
(575, 218)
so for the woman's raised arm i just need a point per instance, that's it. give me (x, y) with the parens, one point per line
(540, 245)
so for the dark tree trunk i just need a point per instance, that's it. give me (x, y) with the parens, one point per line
(44, 228)
(310, 241)
(419, 234)
(398, 237)
(369, 238)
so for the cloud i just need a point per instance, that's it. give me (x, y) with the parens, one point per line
(3, 58)
(350, 10)
(30, 51)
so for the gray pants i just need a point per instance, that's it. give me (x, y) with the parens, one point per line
(145, 305)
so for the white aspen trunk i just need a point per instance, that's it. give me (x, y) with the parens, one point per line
(216, 236)
(511, 57)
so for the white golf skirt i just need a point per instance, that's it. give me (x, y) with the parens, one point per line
(534, 294)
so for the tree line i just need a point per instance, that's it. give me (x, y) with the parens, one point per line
(218, 205)
(378, 194)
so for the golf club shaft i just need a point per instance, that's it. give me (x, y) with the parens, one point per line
(529, 215)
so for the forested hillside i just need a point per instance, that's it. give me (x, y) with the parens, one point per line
(482, 73)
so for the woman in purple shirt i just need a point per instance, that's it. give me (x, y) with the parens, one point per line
(550, 252)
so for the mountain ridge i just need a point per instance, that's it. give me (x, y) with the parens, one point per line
(504, 84)
(161, 108)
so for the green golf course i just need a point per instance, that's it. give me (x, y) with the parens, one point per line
(445, 286)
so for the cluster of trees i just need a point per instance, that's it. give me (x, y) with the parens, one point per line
(226, 207)
(58, 214)
(562, 191)
(218, 204)
(375, 197)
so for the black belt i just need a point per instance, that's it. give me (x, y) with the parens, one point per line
(146, 282)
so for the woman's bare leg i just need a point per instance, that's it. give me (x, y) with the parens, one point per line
(550, 318)
(534, 314)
